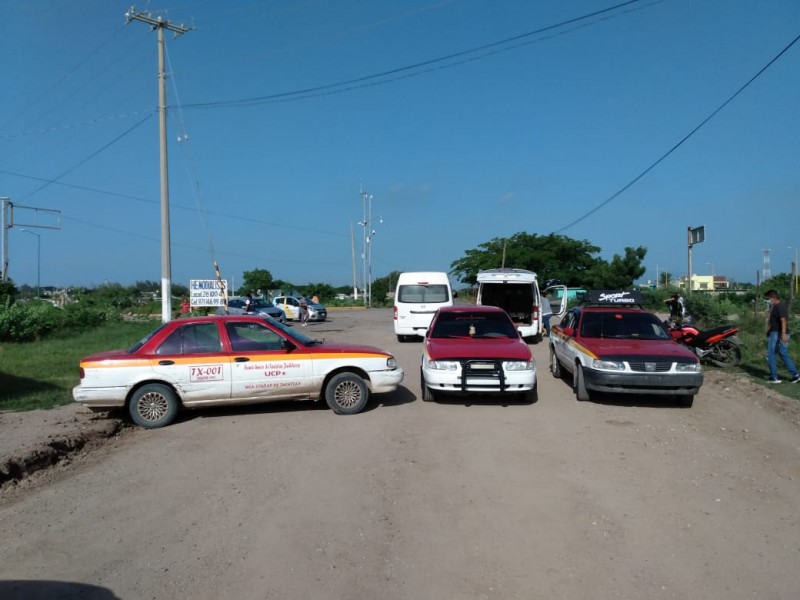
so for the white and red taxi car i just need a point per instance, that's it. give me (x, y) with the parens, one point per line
(610, 344)
(476, 350)
(219, 360)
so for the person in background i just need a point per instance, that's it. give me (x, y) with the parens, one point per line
(677, 308)
(547, 312)
(303, 311)
(249, 305)
(778, 339)
(315, 299)
(186, 306)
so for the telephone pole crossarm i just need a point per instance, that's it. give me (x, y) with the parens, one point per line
(155, 22)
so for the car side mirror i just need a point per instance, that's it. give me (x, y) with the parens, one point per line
(568, 331)
(288, 345)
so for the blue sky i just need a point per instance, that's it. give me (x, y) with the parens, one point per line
(515, 131)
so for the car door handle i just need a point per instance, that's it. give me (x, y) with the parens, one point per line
(165, 363)
(241, 359)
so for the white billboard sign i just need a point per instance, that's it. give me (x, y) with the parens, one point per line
(207, 292)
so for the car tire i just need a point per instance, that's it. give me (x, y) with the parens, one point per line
(428, 395)
(579, 384)
(153, 405)
(555, 366)
(686, 400)
(346, 394)
(401, 338)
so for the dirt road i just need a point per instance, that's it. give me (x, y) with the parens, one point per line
(631, 498)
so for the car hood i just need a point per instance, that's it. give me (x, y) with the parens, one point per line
(612, 348)
(508, 349)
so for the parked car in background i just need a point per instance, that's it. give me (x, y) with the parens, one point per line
(476, 350)
(610, 344)
(290, 305)
(224, 360)
(236, 306)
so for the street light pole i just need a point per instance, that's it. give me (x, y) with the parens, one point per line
(38, 261)
(713, 286)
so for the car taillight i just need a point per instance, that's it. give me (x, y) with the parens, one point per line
(81, 373)
(535, 313)
(395, 313)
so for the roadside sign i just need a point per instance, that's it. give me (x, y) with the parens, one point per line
(207, 292)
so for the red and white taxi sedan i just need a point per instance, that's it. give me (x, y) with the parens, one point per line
(225, 360)
(476, 350)
(609, 344)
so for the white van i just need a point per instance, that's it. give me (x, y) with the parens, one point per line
(517, 292)
(417, 297)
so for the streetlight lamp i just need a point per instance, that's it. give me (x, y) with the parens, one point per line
(38, 261)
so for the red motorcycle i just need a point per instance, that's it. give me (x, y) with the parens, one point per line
(719, 346)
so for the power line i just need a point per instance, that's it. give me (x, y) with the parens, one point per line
(329, 88)
(681, 142)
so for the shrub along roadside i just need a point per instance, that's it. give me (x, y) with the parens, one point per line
(42, 374)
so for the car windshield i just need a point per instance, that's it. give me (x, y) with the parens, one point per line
(474, 325)
(622, 325)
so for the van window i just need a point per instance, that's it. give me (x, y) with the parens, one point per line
(423, 294)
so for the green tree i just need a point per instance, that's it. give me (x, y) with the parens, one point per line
(552, 257)
(555, 258)
(8, 292)
(620, 273)
(257, 279)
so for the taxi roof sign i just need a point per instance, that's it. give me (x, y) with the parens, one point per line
(614, 297)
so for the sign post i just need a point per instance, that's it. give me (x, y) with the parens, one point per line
(696, 236)
(207, 292)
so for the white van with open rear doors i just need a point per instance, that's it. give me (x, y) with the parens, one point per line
(517, 292)
(417, 297)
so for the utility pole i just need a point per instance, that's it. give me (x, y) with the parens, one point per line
(160, 25)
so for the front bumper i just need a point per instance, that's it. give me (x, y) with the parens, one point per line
(453, 382)
(385, 381)
(643, 383)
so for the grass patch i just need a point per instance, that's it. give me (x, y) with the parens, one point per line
(42, 374)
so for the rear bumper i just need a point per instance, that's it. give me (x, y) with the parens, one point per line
(101, 397)
(643, 383)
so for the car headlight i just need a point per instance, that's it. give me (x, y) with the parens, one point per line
(391, 363)
(687, 367)
(518, 365)
(443, 365)
(608, 365)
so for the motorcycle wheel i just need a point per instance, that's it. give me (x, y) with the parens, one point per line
(726, 353)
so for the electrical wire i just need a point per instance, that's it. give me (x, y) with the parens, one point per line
(348, 84)
(681, 142)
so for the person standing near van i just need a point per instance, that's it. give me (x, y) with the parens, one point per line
(547, 312)
(778, 339)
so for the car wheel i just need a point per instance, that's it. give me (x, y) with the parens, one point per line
(428, 395)
(401, 338)
(579, 383)
(555, 366)
(346, 394)
(153, 405)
